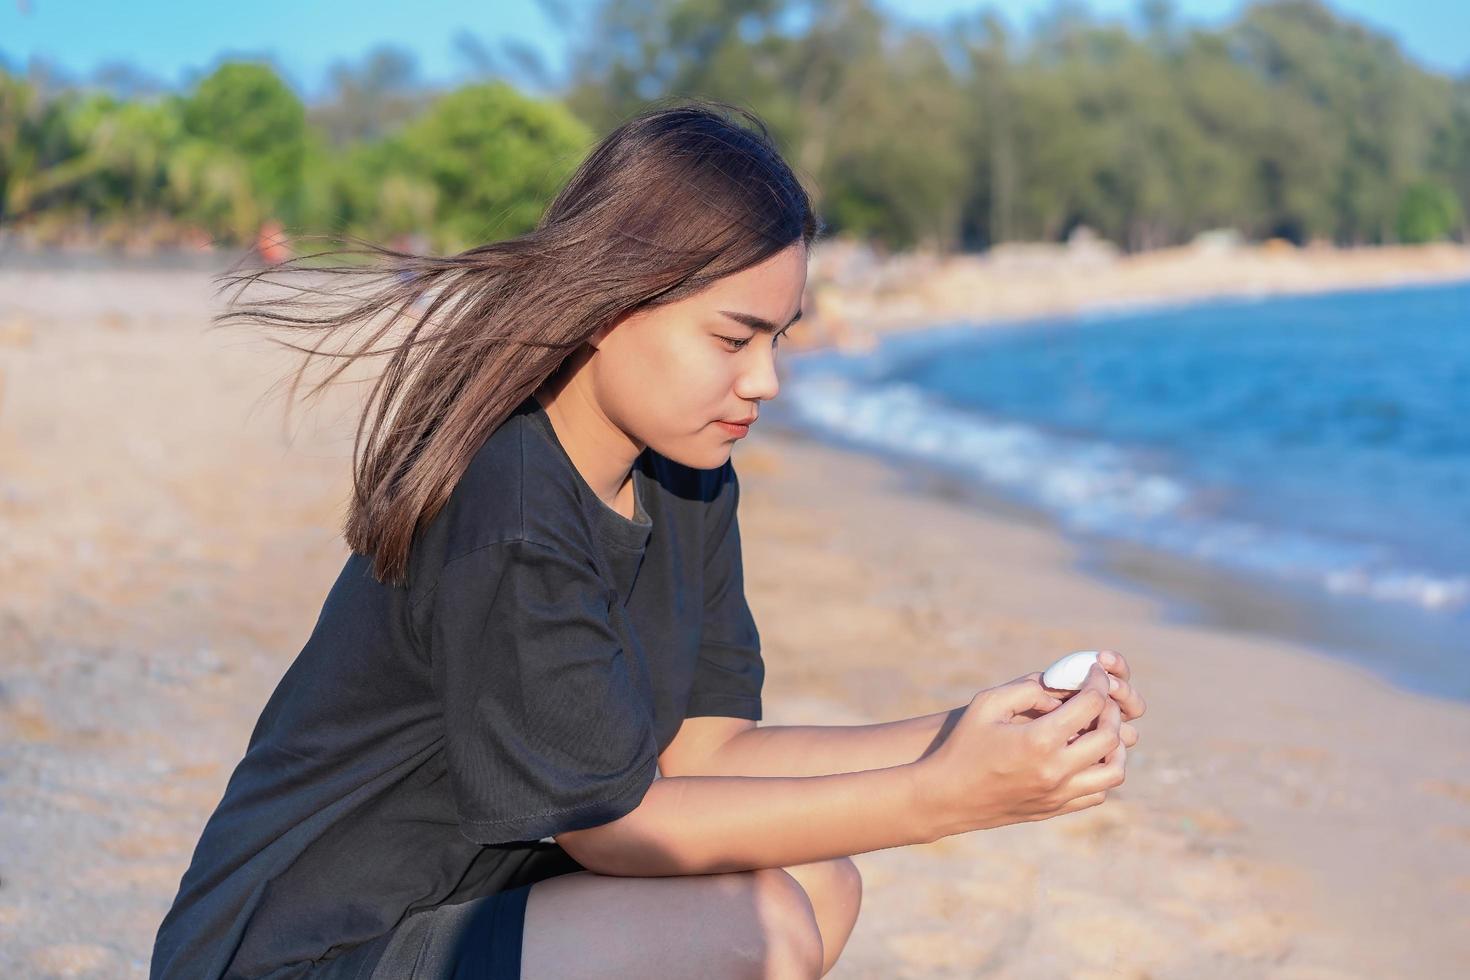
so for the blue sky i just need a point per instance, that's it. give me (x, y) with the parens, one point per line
(170, 39)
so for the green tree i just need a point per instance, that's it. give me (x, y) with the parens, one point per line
(212, 186)
(834, 94)
(20, 113)
(368, 100)
(487, 157)
(1450, 157)
(1378, 109)
(244, 108)
(1428, 211)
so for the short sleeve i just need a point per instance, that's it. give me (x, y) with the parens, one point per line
(544, 729)
(730, 671)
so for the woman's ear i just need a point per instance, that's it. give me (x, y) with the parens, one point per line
(596, 340)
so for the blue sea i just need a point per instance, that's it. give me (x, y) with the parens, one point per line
(1306, 457)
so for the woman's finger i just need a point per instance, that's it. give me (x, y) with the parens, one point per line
(1127, 734)
(1129, 700)
(1119, 667)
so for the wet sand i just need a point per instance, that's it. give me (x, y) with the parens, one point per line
(168, 547)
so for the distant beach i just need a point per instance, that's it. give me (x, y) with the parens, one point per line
(857, 294)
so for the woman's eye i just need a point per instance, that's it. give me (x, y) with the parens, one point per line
(735, 342)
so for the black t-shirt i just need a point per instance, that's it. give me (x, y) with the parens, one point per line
(430, 738)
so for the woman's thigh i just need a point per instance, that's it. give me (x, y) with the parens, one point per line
(738, 926)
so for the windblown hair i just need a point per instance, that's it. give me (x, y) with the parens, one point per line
(672, 200)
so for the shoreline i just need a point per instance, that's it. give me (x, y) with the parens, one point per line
(1352, 630)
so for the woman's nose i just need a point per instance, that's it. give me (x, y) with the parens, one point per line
(759, 380)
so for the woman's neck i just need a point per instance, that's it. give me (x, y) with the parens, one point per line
(602, 453)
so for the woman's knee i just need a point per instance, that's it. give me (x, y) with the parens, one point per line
(749, 925)
(837, 883)
(794, 939)
(835, 890)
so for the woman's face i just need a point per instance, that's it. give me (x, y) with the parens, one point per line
(667, 376)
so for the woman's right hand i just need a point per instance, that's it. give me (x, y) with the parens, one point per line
(995, 769)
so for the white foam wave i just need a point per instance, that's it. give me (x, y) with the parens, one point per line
(1100, 488)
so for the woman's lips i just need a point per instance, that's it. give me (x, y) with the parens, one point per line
(735, 430)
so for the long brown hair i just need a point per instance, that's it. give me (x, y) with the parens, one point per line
(672, 200)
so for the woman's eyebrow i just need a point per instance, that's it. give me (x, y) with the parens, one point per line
(756, 322)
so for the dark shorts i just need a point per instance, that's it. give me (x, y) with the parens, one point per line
(475, 940)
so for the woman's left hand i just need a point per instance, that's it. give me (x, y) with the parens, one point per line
(1130, 703)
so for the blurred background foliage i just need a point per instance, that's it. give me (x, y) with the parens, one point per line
(1290, 122)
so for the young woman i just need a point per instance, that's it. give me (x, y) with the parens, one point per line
(544, 613)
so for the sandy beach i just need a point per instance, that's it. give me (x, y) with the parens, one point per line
(167, 547)
(856, 296)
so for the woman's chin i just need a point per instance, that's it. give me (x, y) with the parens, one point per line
(710, 456)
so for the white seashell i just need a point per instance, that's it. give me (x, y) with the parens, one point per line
(1068, 673)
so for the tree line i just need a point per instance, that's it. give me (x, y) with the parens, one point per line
(1291, 121)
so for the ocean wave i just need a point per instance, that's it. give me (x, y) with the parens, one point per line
(1096, 487)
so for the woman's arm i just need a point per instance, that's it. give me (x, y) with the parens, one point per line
(821, 750)
(816, 750)
(713, 824)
